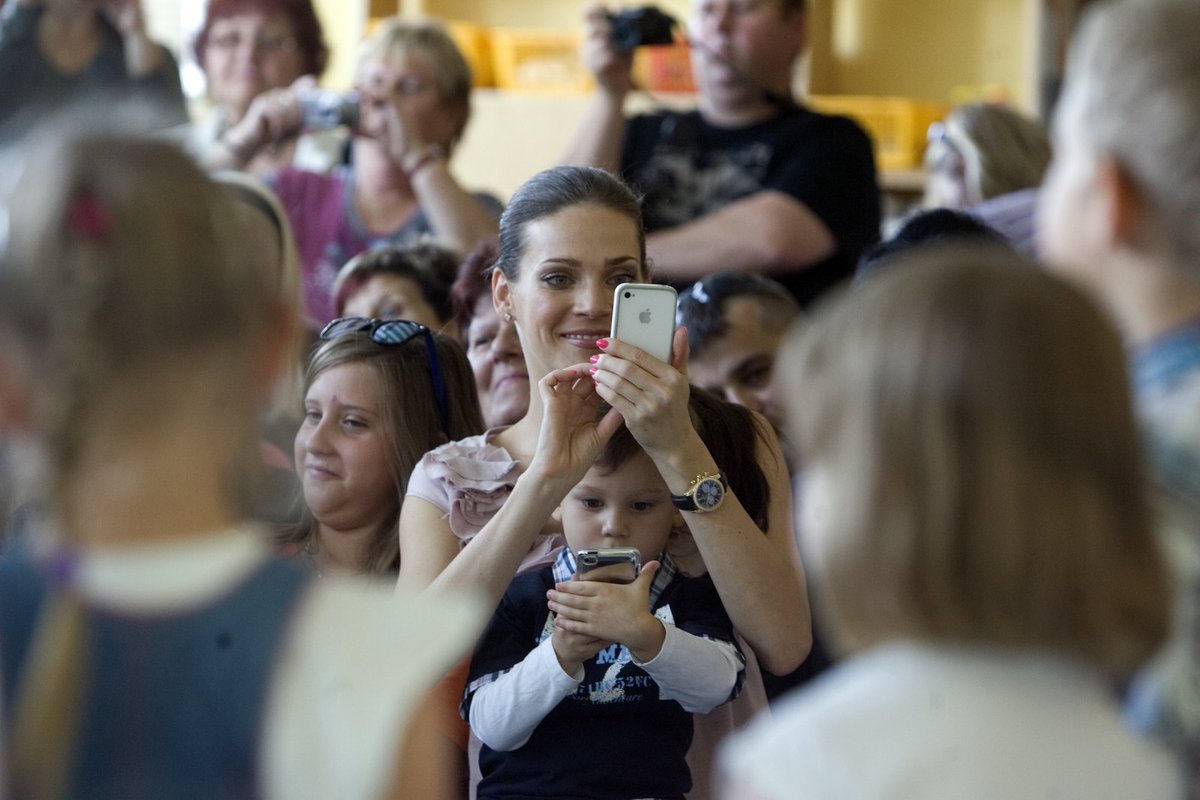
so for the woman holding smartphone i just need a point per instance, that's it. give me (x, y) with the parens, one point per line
(479, 511)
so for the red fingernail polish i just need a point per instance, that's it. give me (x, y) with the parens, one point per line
(602, 343)
(594, 359)
(593, 370)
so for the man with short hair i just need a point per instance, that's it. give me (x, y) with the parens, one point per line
(751, 179)
(735, 323)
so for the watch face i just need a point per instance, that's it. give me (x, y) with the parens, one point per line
(709, 494)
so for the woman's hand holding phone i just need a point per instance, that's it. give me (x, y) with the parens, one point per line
(650, 394)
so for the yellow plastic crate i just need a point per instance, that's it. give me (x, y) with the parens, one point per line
(475, 43)
(898, 125)
(664, 68)
(538, 60)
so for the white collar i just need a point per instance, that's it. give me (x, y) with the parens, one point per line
(166, 576)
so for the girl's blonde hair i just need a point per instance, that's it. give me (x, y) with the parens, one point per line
(410, 418)
(999, 150)
(972, 417)
(252, 196)
(119, 265)
(118, 277)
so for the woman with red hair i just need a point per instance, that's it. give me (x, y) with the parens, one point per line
(250, 49)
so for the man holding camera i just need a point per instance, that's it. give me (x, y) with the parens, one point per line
(750, 180)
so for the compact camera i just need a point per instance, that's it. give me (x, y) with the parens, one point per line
(321, 109)
(636, 27)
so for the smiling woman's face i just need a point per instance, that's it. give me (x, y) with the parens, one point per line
(561, 300)
(246, 55)
(498, 365)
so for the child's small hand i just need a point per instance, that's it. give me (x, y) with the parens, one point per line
(611, 611)
(573, 649)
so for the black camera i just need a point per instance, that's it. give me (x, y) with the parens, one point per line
(636, 27)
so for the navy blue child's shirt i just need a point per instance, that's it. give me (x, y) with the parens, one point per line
(615, 737)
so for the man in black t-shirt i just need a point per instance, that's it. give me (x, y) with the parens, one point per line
(750, 180)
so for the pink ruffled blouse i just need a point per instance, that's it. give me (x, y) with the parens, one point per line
(469, 480)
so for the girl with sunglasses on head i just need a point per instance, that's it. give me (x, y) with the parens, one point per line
(377, 396)
(151, 645)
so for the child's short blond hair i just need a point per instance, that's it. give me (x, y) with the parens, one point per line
(973, 417)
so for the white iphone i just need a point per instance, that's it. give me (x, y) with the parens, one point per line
(644, 316)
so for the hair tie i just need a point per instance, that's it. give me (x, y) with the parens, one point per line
(88, 218)
(61, 566)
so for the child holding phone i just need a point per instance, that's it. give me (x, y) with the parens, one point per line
(614, 675)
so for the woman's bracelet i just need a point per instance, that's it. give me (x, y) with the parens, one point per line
(432, 153)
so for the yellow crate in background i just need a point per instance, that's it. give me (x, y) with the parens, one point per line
(898, 125)
(475, 43)
(538, 60)
(664, 68)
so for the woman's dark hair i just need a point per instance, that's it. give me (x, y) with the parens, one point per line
(554, 189)
(430, 266)
(310, 40)
(701, 306)
(726, 429)
(934, 226)
(472, 282)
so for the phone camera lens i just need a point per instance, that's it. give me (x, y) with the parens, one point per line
(628, 295)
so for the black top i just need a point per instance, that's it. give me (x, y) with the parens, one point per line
(686, 168)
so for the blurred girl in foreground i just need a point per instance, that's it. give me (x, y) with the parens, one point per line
(976, 522)
(151, 644)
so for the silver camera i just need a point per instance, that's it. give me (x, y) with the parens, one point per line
(322, 109)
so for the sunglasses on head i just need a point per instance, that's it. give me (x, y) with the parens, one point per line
(393, 332)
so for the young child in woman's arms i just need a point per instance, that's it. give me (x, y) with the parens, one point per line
(595, 698)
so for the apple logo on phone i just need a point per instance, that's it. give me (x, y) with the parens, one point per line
(644, 317)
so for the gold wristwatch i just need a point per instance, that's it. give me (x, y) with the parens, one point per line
(706, 493)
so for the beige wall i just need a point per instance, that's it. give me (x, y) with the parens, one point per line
(943, 51)
(940, 50)
(344, 22)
